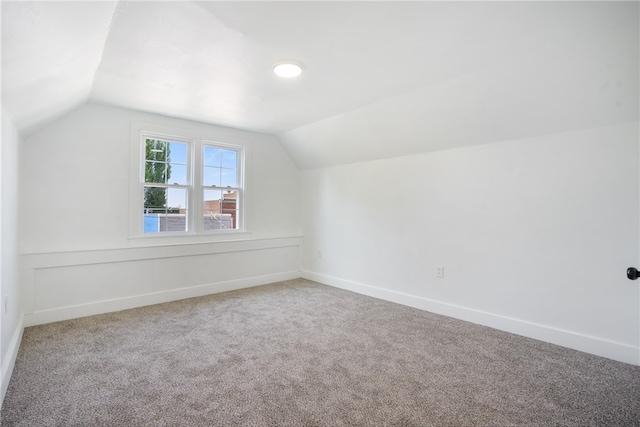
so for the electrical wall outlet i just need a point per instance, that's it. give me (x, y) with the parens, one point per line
(440, 272)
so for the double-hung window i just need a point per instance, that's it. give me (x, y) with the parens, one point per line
(188, 186)
(167, 184)
(221, 187)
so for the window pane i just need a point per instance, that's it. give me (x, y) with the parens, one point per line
(178, 174)
(220, 210)
(166, 162)
(155, 199)
(229, 178)
(212, 156)
(229, 159)
(211, 176)
(156, 150)
(165, 209)
(177, 198)
(155, 172)
(177, 153)
(211, 202)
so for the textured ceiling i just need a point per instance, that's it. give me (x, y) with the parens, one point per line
(381, 78)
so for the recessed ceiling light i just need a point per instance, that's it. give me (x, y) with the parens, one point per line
(287, 69)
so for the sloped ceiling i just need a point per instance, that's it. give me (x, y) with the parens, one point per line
(381, 78)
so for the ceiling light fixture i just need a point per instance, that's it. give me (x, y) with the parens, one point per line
(287, 69)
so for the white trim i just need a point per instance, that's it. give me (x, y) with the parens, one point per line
(72, 312)
(101, 256)
(577, 341)
(9, 362)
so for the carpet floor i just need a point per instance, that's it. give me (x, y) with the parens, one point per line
(298, 353)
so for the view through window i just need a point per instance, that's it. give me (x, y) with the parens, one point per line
(178, 182)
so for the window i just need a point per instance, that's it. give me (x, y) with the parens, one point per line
(188, 186)
(166, 185)
(221, 187)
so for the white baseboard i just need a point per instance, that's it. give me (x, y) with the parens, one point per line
(588, 344)
(10, 360)
(99, 307)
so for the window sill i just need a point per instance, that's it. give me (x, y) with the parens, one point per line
(178, 237)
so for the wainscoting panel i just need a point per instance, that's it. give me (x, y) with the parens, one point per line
(84, 284)
(67, 285)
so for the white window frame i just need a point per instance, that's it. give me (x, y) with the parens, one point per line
(239, 189)
(196, 144)
(189, 186)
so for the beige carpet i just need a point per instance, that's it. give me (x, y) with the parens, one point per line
(302, 354)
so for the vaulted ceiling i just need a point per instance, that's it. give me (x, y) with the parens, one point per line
(381, 79)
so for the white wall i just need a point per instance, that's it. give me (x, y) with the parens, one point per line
(11, 322)
(75, 183)
(78, 258)
(535, 235)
